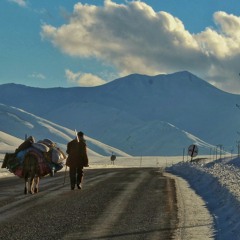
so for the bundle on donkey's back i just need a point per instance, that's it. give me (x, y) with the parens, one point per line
(33, 160)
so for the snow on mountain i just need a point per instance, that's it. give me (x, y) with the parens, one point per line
(8, 143)
(16, 123)
(19, 123)
(183, 100)
(139, 114)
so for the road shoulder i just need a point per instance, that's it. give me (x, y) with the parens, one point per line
(195, 221)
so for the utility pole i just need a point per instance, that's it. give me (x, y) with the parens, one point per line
(238, 147)
(238, 142)
(220, 146)
(220, 150)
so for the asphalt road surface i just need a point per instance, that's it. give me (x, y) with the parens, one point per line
(116, 203)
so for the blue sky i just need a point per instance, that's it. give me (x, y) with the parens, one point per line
(88, 43)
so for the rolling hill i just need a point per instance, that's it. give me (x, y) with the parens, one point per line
(16, 123)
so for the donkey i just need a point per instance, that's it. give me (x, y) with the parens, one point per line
(31, 173)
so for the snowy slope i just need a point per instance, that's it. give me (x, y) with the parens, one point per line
(138, 140)
(8, 143)
(16, 123)
(116, 112)
(181, 99)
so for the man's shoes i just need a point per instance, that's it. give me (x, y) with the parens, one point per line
(78, 186)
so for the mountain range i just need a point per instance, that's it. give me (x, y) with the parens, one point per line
(138, 114)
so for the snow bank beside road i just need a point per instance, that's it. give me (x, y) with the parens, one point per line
(218, 183)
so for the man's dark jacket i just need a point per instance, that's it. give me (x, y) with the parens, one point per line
(77, 154)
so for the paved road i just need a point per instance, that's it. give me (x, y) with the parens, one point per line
(133, 203)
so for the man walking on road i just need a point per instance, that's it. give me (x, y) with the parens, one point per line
(77, 159)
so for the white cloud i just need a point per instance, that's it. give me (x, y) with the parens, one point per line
(83, 79)
(37, 75)
(21, 3)
(136, 39)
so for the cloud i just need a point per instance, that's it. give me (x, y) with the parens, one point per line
(37, 75)
(136, 39)
(21, 3)
(83, 79)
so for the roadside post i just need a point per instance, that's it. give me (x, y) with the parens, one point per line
(113, 158)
